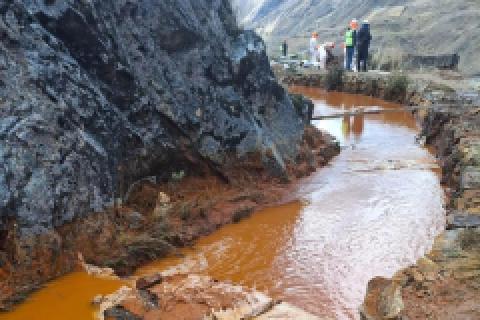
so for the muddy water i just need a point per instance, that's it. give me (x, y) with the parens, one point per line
(374, 210)
(69, 298)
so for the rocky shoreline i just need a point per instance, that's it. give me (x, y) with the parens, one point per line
(192, 297)
(445, 284)
(158, 218)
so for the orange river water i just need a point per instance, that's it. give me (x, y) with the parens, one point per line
(375, 209)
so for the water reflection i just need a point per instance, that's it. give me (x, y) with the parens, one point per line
(353, 126)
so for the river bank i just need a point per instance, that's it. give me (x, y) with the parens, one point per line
(445, 283)
(158, 218)
(319, 254)
(190, 296)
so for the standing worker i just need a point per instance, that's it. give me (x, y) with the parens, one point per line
(285, 48)
(363, 44)
(354, 27)
(350, 39)
(313, 48)
(322, 56)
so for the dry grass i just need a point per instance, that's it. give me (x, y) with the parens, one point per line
(387, 59)
(470, 239)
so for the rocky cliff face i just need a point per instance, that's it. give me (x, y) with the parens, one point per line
(99, 94)
(96, 95)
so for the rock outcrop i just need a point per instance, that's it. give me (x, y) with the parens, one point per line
(193, 297)
(96, 96)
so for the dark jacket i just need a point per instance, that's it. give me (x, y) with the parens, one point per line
(364, 37)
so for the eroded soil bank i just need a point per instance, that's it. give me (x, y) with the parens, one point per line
(157, 219)
(446, 283)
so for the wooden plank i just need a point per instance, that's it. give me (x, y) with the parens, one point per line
(358, 112)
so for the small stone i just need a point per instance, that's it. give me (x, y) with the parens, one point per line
(417, 276)
(163, 198)
(428, 269)
(162, 206)
(455, 221)
(97, 300)
(149, 281)
(470, 178)
(135, 220)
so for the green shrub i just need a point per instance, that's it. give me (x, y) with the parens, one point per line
(178, 176)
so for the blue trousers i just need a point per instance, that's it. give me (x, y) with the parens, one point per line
(362, 58)
(350, 52)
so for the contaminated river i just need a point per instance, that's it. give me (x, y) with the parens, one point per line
(374, 210)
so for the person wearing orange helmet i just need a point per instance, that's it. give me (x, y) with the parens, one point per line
(354, 24)
(350, 38)
(350, 43)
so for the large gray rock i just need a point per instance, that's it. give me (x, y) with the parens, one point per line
(95, 95)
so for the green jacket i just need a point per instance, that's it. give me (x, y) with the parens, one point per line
(351, 38)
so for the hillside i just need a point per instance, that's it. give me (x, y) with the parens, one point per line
(425, 27)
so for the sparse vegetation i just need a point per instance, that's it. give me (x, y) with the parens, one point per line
(387, 59)
(185, 211)
(470, 239)
(334, 79)
(242, 213)
(396, 88)
(175, 179)
(178, 176)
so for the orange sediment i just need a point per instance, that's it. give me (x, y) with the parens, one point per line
(69, 297)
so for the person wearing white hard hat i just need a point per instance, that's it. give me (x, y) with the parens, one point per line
(322, 56)
(314, 48)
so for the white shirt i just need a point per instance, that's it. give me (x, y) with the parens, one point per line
(313, 45)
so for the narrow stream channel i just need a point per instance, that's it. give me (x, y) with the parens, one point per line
(375, 209)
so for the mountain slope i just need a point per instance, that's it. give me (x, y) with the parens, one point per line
(413, 26)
